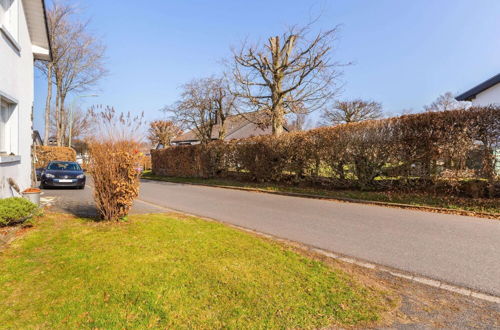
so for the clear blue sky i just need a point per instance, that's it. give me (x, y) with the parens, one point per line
(405, 53)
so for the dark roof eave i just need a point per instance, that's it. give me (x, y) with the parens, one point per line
(471, 93)
(47, 30)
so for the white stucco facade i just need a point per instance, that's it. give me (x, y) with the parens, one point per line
(488, 97)
(17, 54)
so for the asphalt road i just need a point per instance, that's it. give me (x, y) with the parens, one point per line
(460, 250)
(81, 203)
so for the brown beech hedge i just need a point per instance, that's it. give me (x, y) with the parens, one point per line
(45, 154)
(450, 150)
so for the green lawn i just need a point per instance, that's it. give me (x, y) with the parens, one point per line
(165, 271)
(480, 205)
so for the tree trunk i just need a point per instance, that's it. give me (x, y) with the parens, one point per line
(47, 105)
(488, 167)
(222, 126)
(278, 115)
(58, 117)
(278, 112)
(222, 131)
(63, 120)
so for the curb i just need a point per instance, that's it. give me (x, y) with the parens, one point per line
(484, 215)
(414, 278)
(397, 273)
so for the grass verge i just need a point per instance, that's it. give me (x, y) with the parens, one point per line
(474, 205)
(160, 270)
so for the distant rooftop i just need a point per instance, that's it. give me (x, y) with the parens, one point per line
(237, 127)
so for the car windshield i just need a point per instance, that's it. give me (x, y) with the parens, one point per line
(64, 166)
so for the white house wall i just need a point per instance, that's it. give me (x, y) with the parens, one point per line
(488, 96)
(17, 83)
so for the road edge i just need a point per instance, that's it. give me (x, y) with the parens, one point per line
(481, 215)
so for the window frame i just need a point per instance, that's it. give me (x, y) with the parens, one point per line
(9, 141)
(11, 28)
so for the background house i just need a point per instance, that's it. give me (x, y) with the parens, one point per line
(484, 94)
(23, 38)
(237, 127)
(52, 141)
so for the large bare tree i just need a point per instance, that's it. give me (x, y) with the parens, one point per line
(58, 24)
(78, 61)
(446, 102)
(163, 132)
(79, 70)
(204, 103)
(289, 70)
(351, 111)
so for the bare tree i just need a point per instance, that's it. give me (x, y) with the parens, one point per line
(446, 102)
(58, 24)
(298, 119)
(78, 62)
(204, 103)
(290, 69)
(80, 125)
(78, 70)
(163, 132)
(351, 111)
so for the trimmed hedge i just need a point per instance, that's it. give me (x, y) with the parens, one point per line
(441, 150)
(45, 154)
(15, 210)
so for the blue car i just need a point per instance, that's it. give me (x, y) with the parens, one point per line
(63, 174)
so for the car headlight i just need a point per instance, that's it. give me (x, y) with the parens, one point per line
(49, 176)
(80, 176)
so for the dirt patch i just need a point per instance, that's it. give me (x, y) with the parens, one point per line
(8, 234)
(420, 306)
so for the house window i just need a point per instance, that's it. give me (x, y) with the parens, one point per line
(8, 141)
(9, 17)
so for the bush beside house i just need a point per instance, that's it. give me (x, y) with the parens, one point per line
(451, 151)
(15, 210)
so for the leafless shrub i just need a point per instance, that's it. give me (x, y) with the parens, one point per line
(114, 160)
